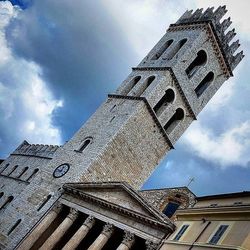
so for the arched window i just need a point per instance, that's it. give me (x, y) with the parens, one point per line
(132, 83)
(5, 167)
(176, 49)
(44, 202)
(145, 85)
(174, 120)
(14, 226)
(164, 101)
(7, 202)
(23, 172)
(199, 61)
(1, 194)
(33, 174)
(163, 48)
(204, 84)
(86, 142)
(14, 168)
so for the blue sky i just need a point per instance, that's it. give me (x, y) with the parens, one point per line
(60, 59)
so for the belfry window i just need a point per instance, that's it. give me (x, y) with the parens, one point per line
(164, 101)
(145, 85)
(199, 61)
(132, 83)
(174, 120)
(163, 48)
(176, 49)
(14, 168)
(86, 142)
(204, 84)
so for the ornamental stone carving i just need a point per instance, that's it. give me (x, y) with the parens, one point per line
(89, 222)
(108, 229)
(73, 213)
(128, 238)
(150, 245)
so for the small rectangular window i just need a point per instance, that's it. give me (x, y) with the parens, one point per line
(216, 237)
(181, 232)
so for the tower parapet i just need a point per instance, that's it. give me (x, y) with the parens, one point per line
(37, 150)
(219, 29)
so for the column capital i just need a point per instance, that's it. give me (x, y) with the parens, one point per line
(150, 245)
(73, 213)
(90, 221)
(107, 229)
(57, 207)
(128, 238)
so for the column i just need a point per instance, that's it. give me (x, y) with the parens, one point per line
(150, 245)
(60, 230)
(41, 228)
(80, 234)
(102, 239)
(128, 241)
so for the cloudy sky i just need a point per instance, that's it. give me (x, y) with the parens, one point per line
(60, 59)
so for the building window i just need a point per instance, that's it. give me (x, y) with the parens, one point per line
(14, 226)
(145, 85)
(164, 101)
(7, 202)
(86, 142)
(174, 120)
(1, 194)
(44, 202)
(164, 47)
(14, 168)
(216, 237)
(176, 49)
(181, 232)
(23, 172)
(132, 83)
(204, 84)
(33, 174)
(5, 167)
(199, 61)
(171, 208)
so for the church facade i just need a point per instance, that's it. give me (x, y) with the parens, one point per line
(82, 194)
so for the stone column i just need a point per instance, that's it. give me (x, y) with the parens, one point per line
(80, 234)
(102, 239)
(41, 228)
(150, 245)
(128, 241)
(60, 231)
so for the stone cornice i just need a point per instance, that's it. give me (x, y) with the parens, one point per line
(214, 210)
(151, 111)
(176, 83)
(212, 35)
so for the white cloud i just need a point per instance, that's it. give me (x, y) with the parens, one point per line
(26, 104)
(229, 148)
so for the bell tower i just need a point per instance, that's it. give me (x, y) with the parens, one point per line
(138, 125)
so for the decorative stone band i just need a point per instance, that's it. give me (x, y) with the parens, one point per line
(128, 238)
(89, 222)
(175, 81)
(152, 113)
(73, 213)
(151, 245)
(108, 229)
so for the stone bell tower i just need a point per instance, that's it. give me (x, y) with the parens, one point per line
(138, 125)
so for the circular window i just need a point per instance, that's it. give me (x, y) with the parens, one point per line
(61, 170)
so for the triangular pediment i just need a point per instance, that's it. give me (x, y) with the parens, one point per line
(120, 195)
